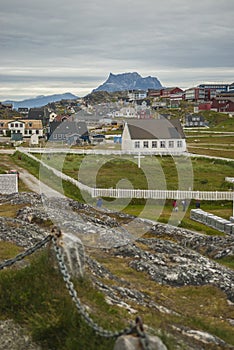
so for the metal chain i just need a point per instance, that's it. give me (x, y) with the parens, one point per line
(67, 279)
(27, 252)
(134, 329)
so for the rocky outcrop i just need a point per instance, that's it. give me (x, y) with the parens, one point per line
(170, 264)
(130, 342)
(14, 337)
(170, 256)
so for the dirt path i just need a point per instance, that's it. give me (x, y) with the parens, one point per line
(28, 179)
(36, 185)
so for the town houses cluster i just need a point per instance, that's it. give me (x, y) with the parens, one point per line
(140, 120)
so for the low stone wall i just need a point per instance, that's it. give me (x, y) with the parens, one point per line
(212, 220)
(8, 183)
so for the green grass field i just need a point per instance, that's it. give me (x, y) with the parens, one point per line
(155, 172)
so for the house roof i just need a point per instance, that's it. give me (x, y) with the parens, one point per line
(33, 124)
(29, 123)
(171, 88)
(38, 113)
(190, 117)
(149, 129)
(68, 127)
(5, 123)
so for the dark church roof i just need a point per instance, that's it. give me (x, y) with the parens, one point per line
(150, 129)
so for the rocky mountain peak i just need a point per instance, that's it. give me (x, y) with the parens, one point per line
(128, 81)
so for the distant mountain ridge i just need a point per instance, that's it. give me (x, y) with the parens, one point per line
(128, 81)
(40, 101)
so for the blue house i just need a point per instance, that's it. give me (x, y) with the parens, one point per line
(71, 132)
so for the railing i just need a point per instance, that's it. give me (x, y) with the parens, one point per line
(60, 253)
(229, 179)
(98, 151)
(137, 193)
(162, 194)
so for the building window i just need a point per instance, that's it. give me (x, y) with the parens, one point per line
(2, 125)
(162, 144)
(37, 132)
(30, 132)
(154, 144)
(12, 125)
(137, 144)
(21, 125)
(30, 124)
(146, 144)
(16, 125)
(171, 144)
(179, 143)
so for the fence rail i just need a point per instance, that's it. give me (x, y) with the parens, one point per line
(98, 151)
(136, 193)
(162, 194)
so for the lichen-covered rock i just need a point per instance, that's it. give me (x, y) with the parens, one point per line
(129, 342)
(172, 257)
(14, 337)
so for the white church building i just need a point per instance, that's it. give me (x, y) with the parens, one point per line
(160, 136)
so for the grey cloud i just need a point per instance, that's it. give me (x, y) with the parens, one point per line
(116, 35)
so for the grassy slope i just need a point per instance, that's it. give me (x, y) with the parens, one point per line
(50, 316)
(39, 300)
(209, 175)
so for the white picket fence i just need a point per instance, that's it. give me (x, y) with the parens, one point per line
(136, 193)
(162, 194)
(98, 151)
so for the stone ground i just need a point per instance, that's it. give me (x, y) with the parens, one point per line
(183, 259)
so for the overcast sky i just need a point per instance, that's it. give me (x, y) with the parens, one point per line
(57, 46)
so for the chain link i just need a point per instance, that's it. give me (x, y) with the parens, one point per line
(67, 279)
(27, 252)
(136, 329)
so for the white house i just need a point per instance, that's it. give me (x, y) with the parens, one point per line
(25, 127)
(52, 116)
(154, 135)
(128, 112)
(137, 95)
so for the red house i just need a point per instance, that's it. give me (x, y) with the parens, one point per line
(205, 106)
(223, 105)
(166, 93)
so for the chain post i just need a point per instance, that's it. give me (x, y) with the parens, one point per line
(55, 237)
(81, 309)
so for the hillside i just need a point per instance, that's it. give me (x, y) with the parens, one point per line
(171, 277)
(41, 101)
(97, 97)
